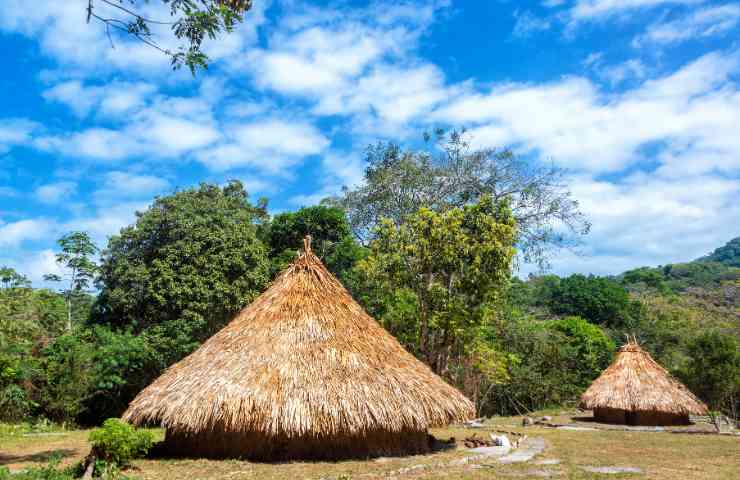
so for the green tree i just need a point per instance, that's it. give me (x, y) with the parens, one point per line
(67, 365)
(77, 248)
(713, 372)
(455, 263)
(185, 267)
(587, 348)
(399, 182)
(332, 238)
(191, 20)
(599, 300)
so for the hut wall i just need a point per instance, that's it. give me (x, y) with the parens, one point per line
(643, 418)
(610, 415)
(256, 446)
(658, 418)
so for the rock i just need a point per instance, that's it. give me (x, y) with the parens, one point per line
(526, 451)
(492, 451)
(500, 441)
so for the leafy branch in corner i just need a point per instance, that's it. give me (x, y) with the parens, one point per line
(192, 21)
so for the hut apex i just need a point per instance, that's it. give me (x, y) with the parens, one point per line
(302, 372)
(635, 390)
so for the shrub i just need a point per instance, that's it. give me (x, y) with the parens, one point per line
(118, 442)
(586, 348)
(47, 472)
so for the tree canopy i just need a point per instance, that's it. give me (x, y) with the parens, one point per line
(399, 182)
(190, 261)
(453, 265)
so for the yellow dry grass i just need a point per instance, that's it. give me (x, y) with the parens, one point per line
(303, 361)
(660, 455)
(635, 382)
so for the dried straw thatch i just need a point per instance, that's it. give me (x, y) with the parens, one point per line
(301, 372)
(636, 390)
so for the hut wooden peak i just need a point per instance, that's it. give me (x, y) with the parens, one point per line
(303, 359)
(636, 382)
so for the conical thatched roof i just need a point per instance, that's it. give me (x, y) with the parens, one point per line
(635, 382)
(304, 359)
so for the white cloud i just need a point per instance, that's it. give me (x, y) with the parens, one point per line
(271, 145)
(597, 9)
(106, 221)
(157, 126)
(112, 99)
(705, 22)
(527, 24)
(54, 192)
(338, 169)
(15, 131)
(14, 233)
(119, 185)
(690, 112)
(356, 63)
(628, 70)
(649, 220)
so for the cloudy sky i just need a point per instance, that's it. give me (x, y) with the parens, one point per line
(638, 99)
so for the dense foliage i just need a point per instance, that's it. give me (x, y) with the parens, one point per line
(190, 261)
(441, 280)
(454, 265)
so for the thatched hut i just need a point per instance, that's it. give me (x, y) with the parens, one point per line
(302, 372)
(635, 390)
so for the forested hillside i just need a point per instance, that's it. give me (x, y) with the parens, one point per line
(427, 245)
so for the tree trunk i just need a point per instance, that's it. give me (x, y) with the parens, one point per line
(69, 313)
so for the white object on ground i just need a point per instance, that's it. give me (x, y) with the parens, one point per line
(500, 441)
(526, 451)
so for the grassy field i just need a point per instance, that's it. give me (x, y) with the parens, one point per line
(660, 455)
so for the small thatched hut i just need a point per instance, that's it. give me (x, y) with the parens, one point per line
(635, 390)
(302, 372)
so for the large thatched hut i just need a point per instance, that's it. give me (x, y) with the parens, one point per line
(635, 390)
(302, 372)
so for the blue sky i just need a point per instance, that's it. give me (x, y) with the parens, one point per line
(638, 99)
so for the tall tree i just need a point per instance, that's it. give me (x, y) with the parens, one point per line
(454, 265)
(191, 21)
(75, 257)
(188, 263)
(398, 182)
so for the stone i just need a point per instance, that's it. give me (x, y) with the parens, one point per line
(526, 451)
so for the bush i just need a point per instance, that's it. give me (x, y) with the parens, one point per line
(586, 347)
(118, 442)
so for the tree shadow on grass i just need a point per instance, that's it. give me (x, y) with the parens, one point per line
(39, 457)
